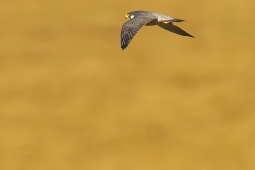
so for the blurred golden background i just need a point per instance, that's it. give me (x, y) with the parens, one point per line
(70, 98)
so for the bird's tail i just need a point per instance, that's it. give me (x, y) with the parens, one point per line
(177, 20)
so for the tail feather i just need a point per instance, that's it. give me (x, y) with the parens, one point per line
(177, 20)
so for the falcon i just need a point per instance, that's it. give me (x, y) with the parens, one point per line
(137, 19)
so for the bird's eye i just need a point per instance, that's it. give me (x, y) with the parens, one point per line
(131, 16)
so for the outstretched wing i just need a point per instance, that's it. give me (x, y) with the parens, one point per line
(130, 28)
(170, 27)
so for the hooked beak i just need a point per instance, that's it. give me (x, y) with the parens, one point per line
(126, 16)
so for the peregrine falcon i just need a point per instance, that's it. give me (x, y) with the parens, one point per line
(140, 18)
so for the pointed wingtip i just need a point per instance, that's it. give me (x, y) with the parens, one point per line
(191, 36)
(123, 45)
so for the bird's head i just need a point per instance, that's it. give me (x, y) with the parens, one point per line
(129, 15)
(133, 14)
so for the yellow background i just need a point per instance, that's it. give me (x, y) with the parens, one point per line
(71, 98)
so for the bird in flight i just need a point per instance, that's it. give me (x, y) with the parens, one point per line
(140, 18)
